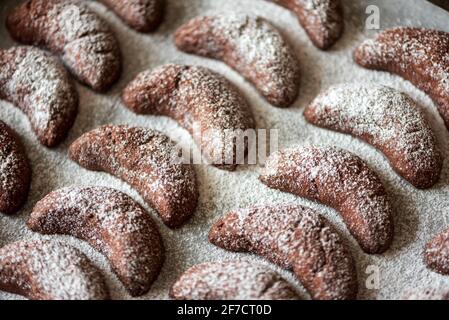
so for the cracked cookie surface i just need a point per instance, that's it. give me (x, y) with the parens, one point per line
(201, 101)
(111, 222)
(295, 238)
(387, 119)
(252, 46)
(147, 160)
(69, 29)
(341, 180)
(50, 270)
(231, 280)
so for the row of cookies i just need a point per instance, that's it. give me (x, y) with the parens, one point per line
(101, 216)
(51, 270)
(89, 49)
(243, 72)
(387, 119)
(291, 236)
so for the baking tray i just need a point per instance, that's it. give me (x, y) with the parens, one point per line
(418, 214)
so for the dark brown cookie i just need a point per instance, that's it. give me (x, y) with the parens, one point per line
(293, 237)
(141, 15)
(147, 160)
(231, 280)
(250, 45)
(321, 19)
(68, 28)
(418, 55)
(37, 84)
(427, 294)
(112, 223)
(389, 120)
(201, 101)
(15, 171)
(49, 270)
(341, 180)
(436, 254)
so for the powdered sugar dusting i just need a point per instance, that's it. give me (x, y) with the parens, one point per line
(37, 84)
(143, 15)
(70, 29)
(148, 161)
(423, 47)
(386, 118)
(50, 270)
(263, 51)
(10, 164)
(294, 237)
(249, 44)
(112, 223)
(417, 54)
(420, 214)
(426, 294)
(14, 171)
(341, 180)
(437, 253)
(232, 280)
(202, 101)
(322, 19)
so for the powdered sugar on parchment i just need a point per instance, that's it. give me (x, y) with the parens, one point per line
(419, 215)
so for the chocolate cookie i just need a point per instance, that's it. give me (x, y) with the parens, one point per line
(250, 45)
(389, 120)
(36, 83)
(321, 19)
(427, 294)
(293, 237)
(112, 223)
(418, 55)
(436, 254)
(146, 159)
(141, 15)
(15, 171)
(231, 280)
(201, 101)
(49, 270)
(341, 180)
(68, 28)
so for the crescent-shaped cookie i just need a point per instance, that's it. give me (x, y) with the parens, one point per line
(341, 180)
(231, 280)
(141, 15)
(389, 120)
(71, 30)
(251, 46)
(147, 160)
(420, 56)
(50, 270)
(112, 223)
(293, 237)
(321, 19)
(436, 254)
(201, 101)
(15, 171)
(37, 84)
